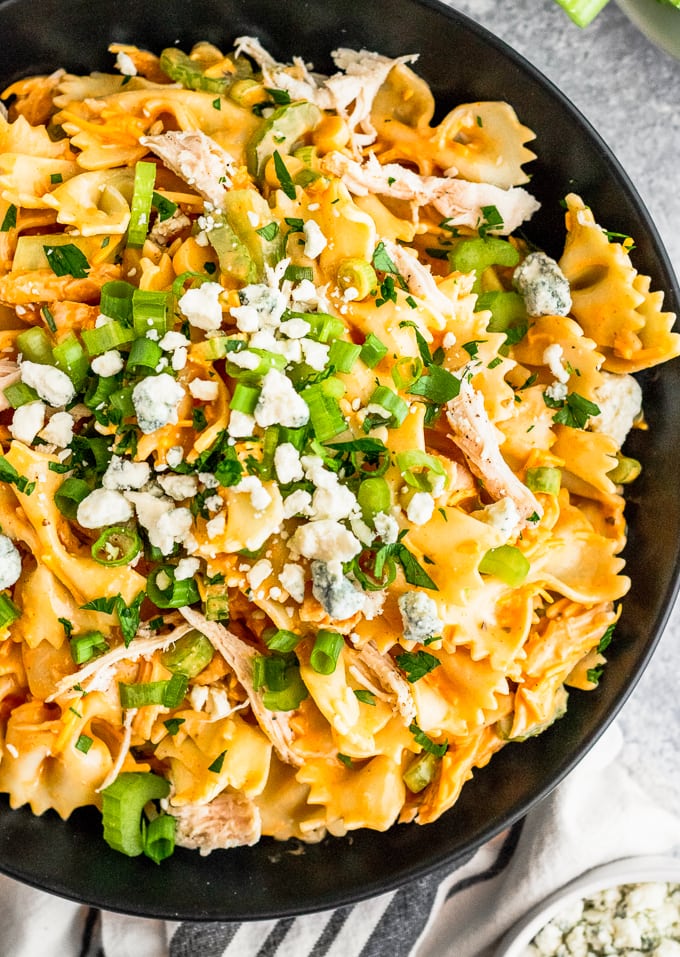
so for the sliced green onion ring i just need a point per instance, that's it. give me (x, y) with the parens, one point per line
(326, 651)
(142, 197)
(122, 805)
(117, 545)
(544, 479)
(507, 563)
(189, 655)
(421, 470)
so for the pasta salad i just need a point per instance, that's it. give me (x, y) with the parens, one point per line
(311, 475)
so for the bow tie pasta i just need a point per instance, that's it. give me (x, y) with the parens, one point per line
(312, 471)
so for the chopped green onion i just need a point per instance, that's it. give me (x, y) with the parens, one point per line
(507, 563)
(18, 394)
(175, 690)
(326, 651)
(143, 694)
(583, 12)
(121, 402)
(69, 495)
(366, 697)
(217, 608)
(144, 354)
(374, 496)
(626, 470)
(116, 300)
(104, 338)
(69, 356)
(99, 390)
(150, 311)
(358, 275)
(267, 361)
(406, 371)
(67, 260)
(342, 355)
(189, 655)
(10, 475)
(142, 197)
(35, 345)
(217, 348)
(393, 404)
(324, 327)
(87, 645)
(9, 612)
(421, 772)
(159, 837)
(544, 479)
(290, 697)
(174, 594)
(122, 805)
(421, 470)
(84, 743)
(373, 350)
(325, 414)
(297, 273)
(244, 398)
(281, 640)
(116, 546)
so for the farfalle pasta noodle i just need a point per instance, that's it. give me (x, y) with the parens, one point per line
(311, 476)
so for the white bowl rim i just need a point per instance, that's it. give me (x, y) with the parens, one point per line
(629, 870)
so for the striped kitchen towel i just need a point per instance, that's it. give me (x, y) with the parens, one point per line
(599, 813)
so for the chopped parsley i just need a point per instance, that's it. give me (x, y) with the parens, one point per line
(67, 260)
(574, 411)
(427, 744)
(417, 664)
(9, 220)
(216, 766)
(366, 697)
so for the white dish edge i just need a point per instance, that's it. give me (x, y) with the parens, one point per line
(630, 870)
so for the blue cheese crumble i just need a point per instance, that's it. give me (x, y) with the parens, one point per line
(419, 616)
(543, 286)
(334, 592)
(156, 400)
(631, 920)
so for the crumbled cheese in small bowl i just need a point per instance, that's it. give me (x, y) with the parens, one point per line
(627, 907)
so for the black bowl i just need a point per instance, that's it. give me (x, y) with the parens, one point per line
(463, 63)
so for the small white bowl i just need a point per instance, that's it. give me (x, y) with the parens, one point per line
(630, 870)
(659, 23)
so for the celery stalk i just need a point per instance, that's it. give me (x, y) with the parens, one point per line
(582, 12)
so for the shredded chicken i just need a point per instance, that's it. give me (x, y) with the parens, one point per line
(418, 278)
(475, 436)
(361, 75)
(458, 200)
(239, 656)
(9, 374)
(164, 231)
(97, 674)
(128, 718)
(197, 159)
(389, 677)
(229, 820)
